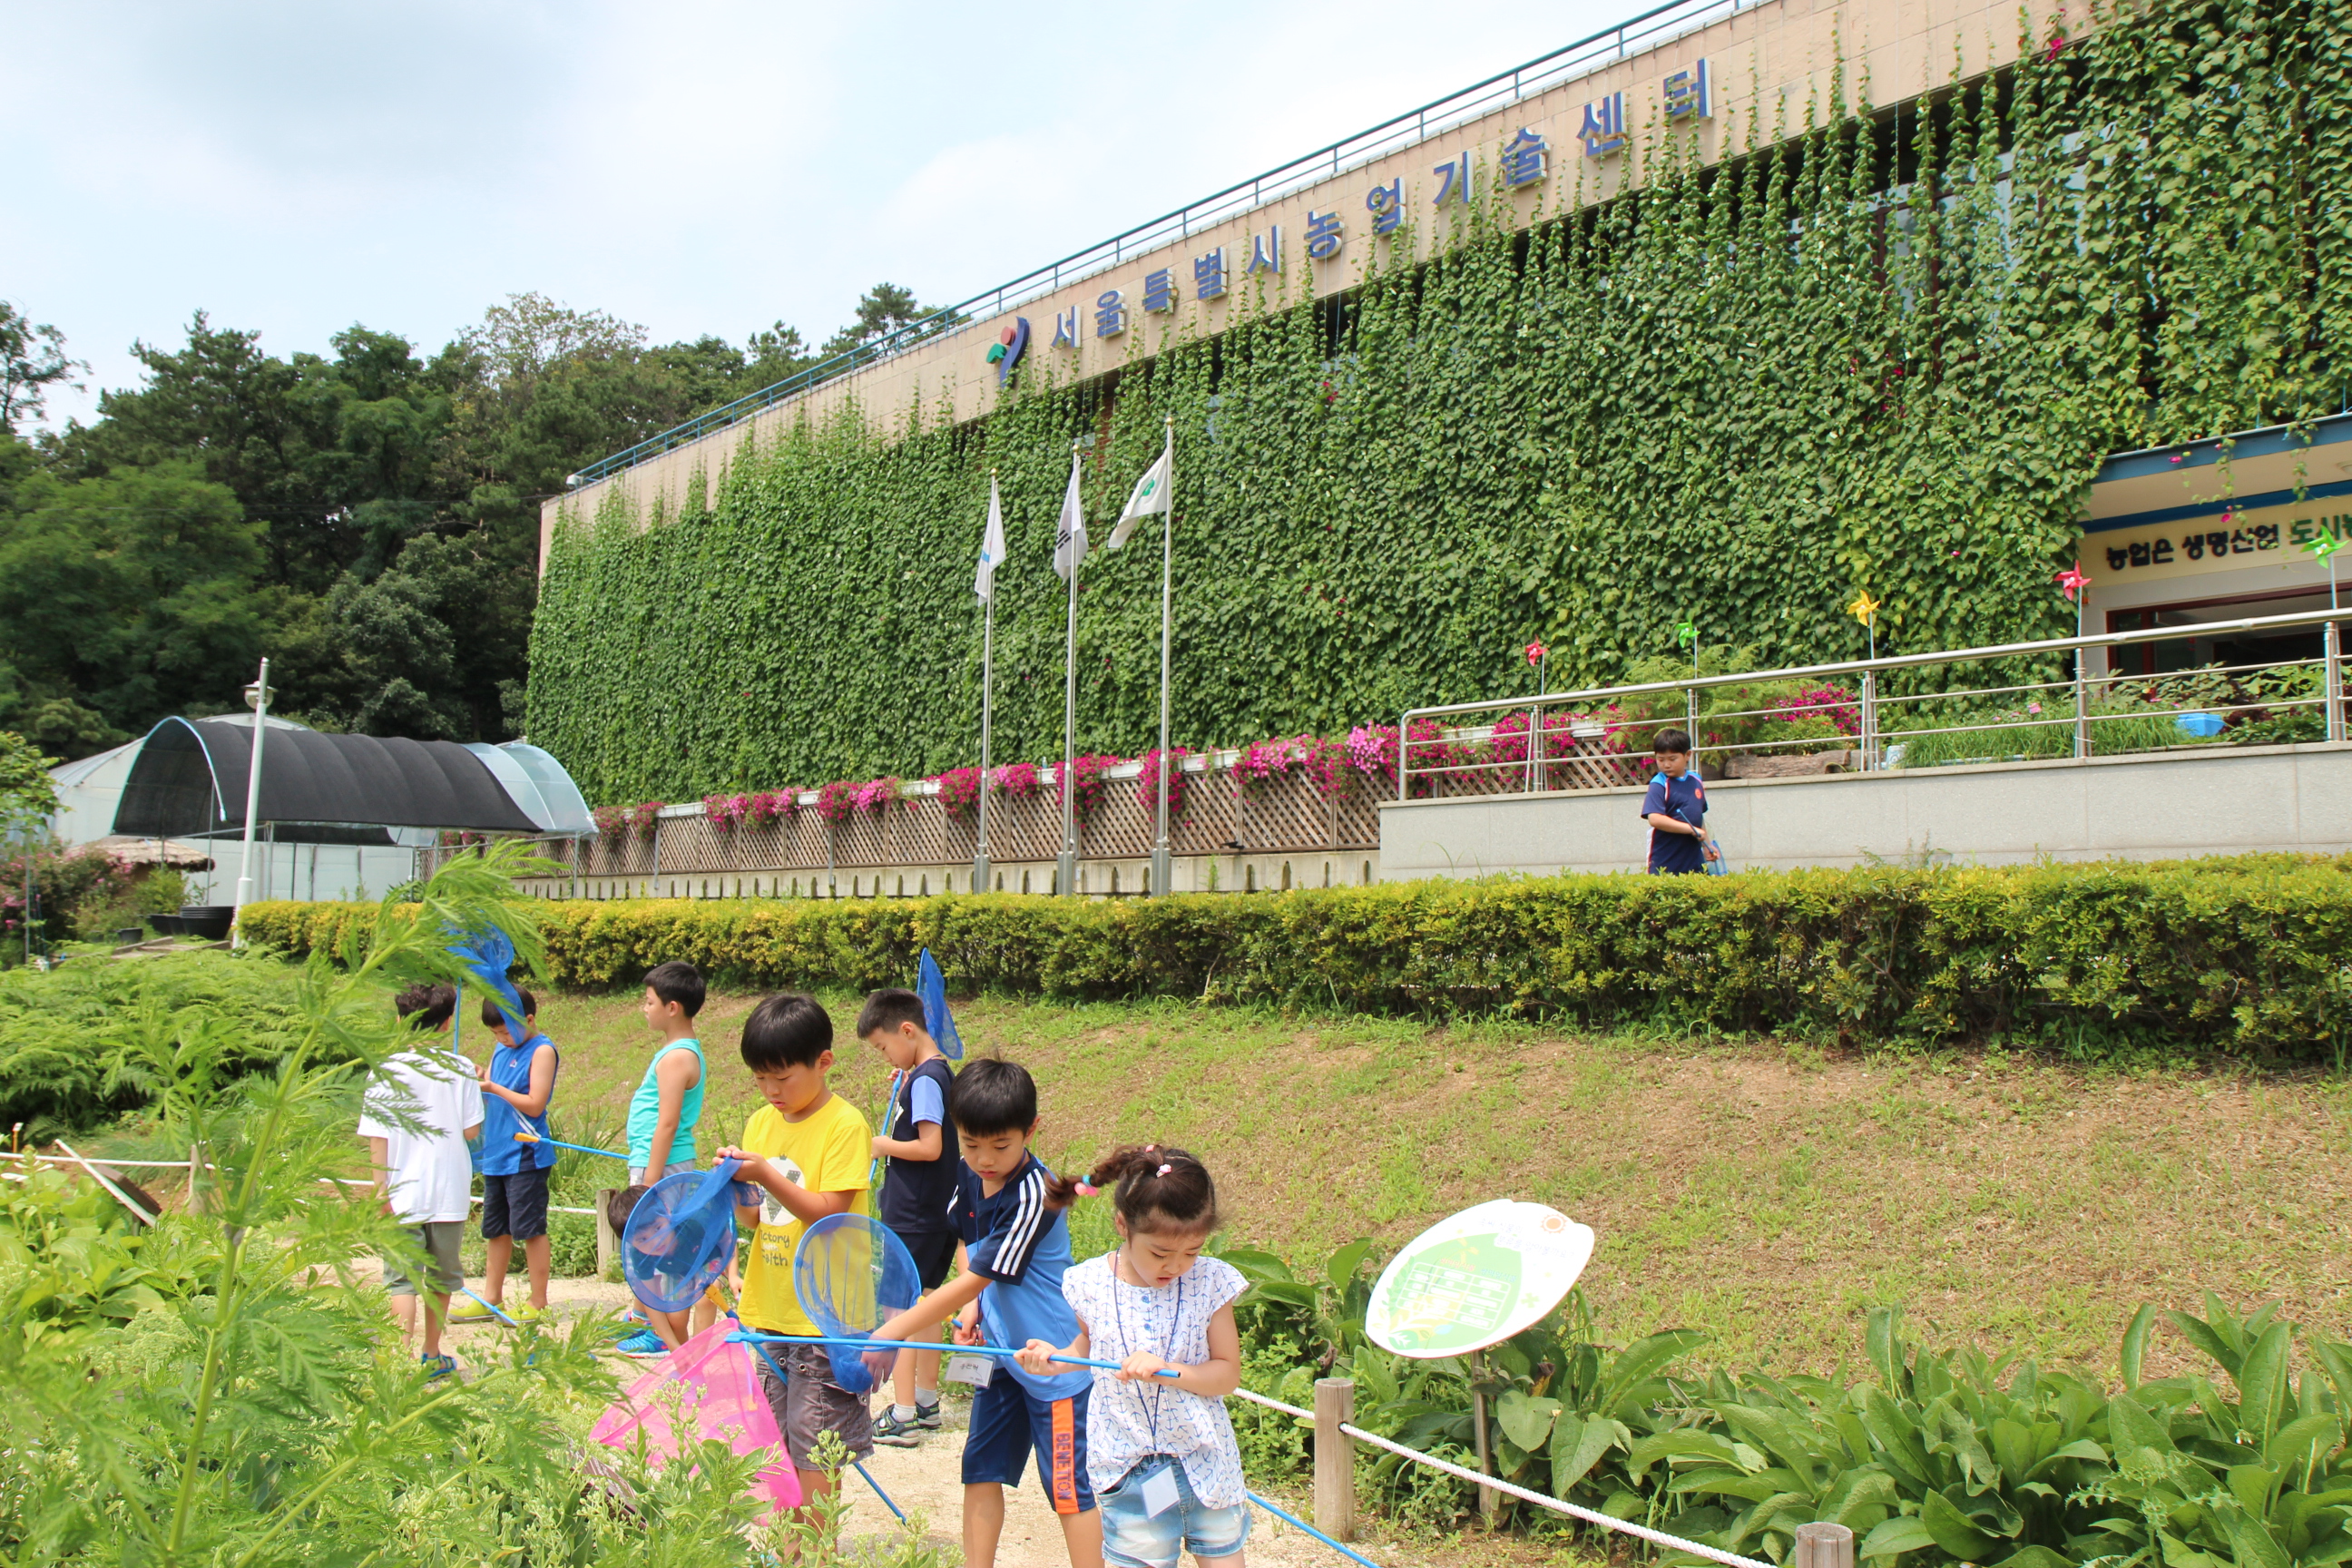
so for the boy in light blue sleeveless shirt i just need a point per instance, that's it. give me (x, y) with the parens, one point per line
(662, 1114)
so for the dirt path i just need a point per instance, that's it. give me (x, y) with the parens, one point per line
(929, 1479)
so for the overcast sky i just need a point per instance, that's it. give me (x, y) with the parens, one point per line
(695, 165)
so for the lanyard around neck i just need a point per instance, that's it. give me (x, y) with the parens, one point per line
(1168, 1346)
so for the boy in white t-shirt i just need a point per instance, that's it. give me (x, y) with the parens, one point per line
(423, 1176)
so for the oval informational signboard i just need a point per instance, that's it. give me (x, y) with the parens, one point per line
(1477, 1279)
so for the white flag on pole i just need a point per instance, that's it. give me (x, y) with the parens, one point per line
(1070, 536)
(991, 548)
(1149, 495)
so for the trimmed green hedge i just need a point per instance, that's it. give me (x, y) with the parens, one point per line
(2248, 956)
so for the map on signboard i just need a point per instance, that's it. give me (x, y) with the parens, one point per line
(1477, 1279)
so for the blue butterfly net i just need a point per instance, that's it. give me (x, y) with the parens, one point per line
(682, 1236)
(932, 986)
(852, 1276)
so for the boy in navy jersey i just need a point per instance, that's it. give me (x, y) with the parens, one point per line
(1015, 1248)
(917, 1188)
(1676, 809)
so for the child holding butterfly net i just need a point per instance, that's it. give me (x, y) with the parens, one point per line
(1167, 1471)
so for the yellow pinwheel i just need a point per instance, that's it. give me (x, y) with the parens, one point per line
(1864, 609)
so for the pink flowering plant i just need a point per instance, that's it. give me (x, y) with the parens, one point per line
(1834, 705)
(643, 816)
(959, 790)
(1317, 761)
(1147, 786)
(837, 802)
(874, 796)
(724, 811)
(771, 806)
(611, 820)
(1019, 780)
(1084, 781)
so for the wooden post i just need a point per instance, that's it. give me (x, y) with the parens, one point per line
(608, 1245)
(1490, 1501)
(1824, 1546)
(1335, 1458)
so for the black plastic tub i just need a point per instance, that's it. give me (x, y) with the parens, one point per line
(210, 921)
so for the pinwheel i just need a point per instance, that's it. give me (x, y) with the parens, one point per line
(2324, 548)
(1865, 609)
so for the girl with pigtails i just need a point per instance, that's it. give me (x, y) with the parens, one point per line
(1167, 1472)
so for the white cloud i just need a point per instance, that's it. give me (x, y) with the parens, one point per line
(711, 166)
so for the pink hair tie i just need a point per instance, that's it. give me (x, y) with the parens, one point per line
(1165, 1169)
(1087, 1189)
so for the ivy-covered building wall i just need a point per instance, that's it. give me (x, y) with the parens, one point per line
(1882, 349)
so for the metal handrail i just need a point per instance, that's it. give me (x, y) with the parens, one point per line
(1870, 669)
(1592, 52)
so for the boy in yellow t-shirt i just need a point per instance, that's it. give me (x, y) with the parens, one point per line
(809, 1152)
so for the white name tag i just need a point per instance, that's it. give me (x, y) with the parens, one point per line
(975, 1370)
(1160, 1493)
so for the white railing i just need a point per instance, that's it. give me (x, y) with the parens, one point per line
(1488, 744)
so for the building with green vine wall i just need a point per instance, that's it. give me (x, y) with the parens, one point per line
(1733, 371)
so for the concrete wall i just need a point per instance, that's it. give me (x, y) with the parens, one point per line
(2161, 806)
(1768, 62)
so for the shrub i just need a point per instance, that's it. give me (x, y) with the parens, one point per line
(2240, 956)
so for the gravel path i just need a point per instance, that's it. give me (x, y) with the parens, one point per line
(927, 1480)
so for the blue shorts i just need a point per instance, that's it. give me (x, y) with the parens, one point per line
(1007, 1421)
(1133, 1538)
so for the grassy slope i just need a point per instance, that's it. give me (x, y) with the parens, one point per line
(1766, 1195)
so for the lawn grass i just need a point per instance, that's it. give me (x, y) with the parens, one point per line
(1766, 1193)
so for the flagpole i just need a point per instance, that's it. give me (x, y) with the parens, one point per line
(1066, 874)
(1162, 861)
(987, 704)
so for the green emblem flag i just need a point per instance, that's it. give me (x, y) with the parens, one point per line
(1149, 495)
(1477, 1279)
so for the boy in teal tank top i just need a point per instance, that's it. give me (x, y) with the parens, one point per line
(661, 1118)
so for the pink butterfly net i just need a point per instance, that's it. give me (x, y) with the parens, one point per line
(722, 1400)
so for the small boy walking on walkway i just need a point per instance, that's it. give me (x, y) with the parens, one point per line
(423, 1174)
(663, 1115)
(1016, 1249)
(809, 1151)
(517, 1084)
(917, 1188)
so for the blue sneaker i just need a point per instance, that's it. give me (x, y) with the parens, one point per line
(644, 1345)
(437, 1367)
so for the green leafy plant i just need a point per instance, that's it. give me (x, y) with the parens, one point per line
(218, 1390)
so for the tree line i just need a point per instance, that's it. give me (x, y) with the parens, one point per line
(369, 519)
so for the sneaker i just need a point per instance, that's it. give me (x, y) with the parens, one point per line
(437, 1367)
(927, 1416)
(888, 1429)
(644, 1346)
(525, 1317)
(470, 1311)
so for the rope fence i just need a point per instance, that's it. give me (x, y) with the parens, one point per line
(1832, 1545)
(78, 1162)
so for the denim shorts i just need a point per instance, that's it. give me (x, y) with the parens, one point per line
(1132, 1538)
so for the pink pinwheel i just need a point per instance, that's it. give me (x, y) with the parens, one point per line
(2072, 580)
(1535, 652)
